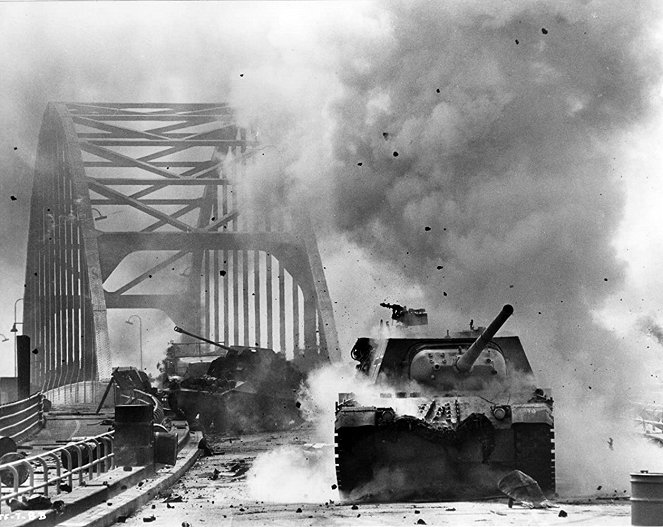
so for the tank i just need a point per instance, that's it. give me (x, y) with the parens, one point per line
(245, 389)
(447, 417)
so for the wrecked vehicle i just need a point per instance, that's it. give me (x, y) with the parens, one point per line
(456, 414)
(245, 389)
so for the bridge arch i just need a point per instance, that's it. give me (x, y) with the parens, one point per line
(115, 179)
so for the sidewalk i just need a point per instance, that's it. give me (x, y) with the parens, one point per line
(112, 495)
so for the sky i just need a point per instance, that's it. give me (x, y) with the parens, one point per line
(454, 156)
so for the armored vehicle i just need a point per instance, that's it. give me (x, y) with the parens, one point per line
(245, 389)
(449, 417)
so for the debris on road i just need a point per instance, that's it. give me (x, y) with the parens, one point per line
(204, 446)
(524, 489)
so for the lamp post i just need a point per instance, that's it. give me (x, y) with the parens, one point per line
(100, 217)
(140, 335)
(14, 330)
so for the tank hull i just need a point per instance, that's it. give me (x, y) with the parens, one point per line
(384, 457)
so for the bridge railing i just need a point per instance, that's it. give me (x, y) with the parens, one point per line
(82, 392)
(70, 464)
(21, 419)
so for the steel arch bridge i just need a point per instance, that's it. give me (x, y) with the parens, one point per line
(141, 205)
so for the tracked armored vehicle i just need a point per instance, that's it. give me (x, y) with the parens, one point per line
(450, 416)
(245, 389)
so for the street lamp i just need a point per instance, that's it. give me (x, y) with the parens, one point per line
(14, 330)
(4, 339)
(140, 334)
(100, 217)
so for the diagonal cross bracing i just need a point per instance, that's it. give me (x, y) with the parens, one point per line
(116, 185)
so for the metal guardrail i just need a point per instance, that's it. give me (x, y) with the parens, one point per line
(82, 392)
(20, 419)
(91, 456)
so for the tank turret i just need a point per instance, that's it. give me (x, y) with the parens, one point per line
(465, 362)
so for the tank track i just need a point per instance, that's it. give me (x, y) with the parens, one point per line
(535, 453)
(352, 470)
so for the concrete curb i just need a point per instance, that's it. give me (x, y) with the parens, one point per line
(130, 500)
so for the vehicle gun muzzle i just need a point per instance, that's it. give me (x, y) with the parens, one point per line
(185, 332)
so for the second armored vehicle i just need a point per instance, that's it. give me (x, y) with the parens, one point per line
(245, 389)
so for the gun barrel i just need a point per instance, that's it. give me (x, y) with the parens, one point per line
(185, 332)
(465, 362)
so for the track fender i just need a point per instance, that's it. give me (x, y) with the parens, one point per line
(531, 413)
(356, 416)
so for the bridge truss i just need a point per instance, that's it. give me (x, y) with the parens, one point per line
(148, 206)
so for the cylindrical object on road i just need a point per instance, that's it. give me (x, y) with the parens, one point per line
(647, 498)
(134, 437)
(165, 448)
(7, 476)
(7, 444)
(133, 413)
(85, 455)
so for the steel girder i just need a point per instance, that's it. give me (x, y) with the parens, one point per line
(165, 179)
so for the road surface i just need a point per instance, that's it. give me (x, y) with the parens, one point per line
(284, 478)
